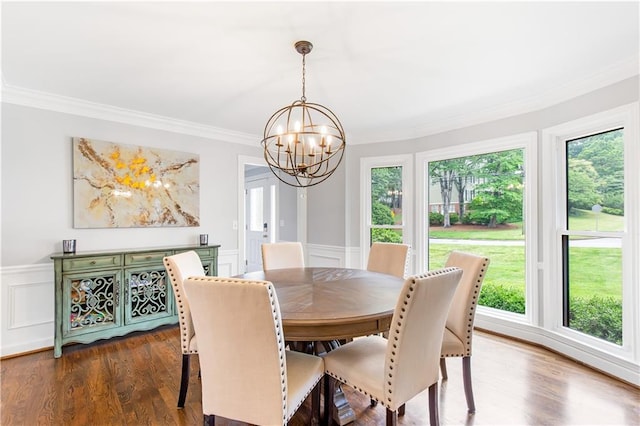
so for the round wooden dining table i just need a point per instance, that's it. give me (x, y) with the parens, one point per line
(326, 304)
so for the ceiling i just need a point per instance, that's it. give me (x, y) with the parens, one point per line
(389, 70)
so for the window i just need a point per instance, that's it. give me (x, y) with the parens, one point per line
(591, 171)
(592, 238)
(387, 211)
(483, 192)
(256, 210)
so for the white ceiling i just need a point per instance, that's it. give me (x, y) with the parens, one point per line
(389, 70)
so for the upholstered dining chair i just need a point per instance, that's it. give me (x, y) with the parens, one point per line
(388, 258)
(458, 331)
(264, 385)
(282, 255)
(179, 267)
(394, 370)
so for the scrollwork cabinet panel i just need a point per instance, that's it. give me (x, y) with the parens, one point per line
(93, 302)
(147, 294)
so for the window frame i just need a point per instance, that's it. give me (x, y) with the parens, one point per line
(554, 217)
(366, 165)
(528, 143)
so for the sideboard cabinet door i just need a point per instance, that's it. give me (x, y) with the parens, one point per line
(92, 302)
(147, 294)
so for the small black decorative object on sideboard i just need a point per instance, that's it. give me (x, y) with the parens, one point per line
(103, 294)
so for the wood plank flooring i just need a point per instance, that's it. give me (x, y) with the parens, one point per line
(134, 381)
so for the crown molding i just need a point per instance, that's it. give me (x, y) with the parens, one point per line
(439, 123)
(454, 119)
(48, 101)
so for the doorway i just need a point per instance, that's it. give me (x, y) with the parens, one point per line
(281, 207)
(260, 214)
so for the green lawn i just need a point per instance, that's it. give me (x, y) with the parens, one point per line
(482, 233)
(593, 270)
(586, 220)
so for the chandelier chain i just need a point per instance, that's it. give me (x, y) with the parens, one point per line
(304, 69)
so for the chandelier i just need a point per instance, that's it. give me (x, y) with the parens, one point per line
(303, 142)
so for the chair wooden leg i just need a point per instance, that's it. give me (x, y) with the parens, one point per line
(209, 420)
(443, 368)
(402, 409)
(315, 404)
(392, 418)
(184, 380)
(468, 390)
(329, 392)
(434, 418)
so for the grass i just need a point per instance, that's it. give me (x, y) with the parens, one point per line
(514, 232)
(582, 220)
(593, 271)
(586, 220)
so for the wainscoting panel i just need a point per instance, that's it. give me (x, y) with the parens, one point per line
(227, 263)
(27, 308)
(332, 256)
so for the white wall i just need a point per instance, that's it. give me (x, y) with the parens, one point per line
(37, 188)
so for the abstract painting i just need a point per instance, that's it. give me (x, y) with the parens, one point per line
(128, 186)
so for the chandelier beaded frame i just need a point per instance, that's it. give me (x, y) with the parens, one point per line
(303, 142)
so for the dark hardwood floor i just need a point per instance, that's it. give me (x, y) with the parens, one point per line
(134, 381)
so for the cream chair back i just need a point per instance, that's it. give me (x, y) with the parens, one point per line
(179, 267)
(246, 373)
(388, 258)
(282, 255)
(415, 336)
(463, 309)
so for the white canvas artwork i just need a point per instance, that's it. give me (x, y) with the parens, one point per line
(127, 186)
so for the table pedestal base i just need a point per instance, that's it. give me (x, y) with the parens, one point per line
(342, 413)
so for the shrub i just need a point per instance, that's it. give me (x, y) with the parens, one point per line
(454, 218)
(597, 316)
(381, 214)
(508, 299)
(435, 219)
(615, 212)
(466, 219)
(383, 235)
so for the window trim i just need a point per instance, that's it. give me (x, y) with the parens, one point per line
(526, 141)
(554, 217)
(368, 163)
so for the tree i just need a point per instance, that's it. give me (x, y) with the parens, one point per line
(385, 182)
(455, 172)
(582, 185)
(500, 191)
(605, 153)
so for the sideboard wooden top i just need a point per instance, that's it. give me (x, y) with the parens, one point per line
(60, 255)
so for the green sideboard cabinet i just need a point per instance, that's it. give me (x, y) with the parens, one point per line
(103, 294)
